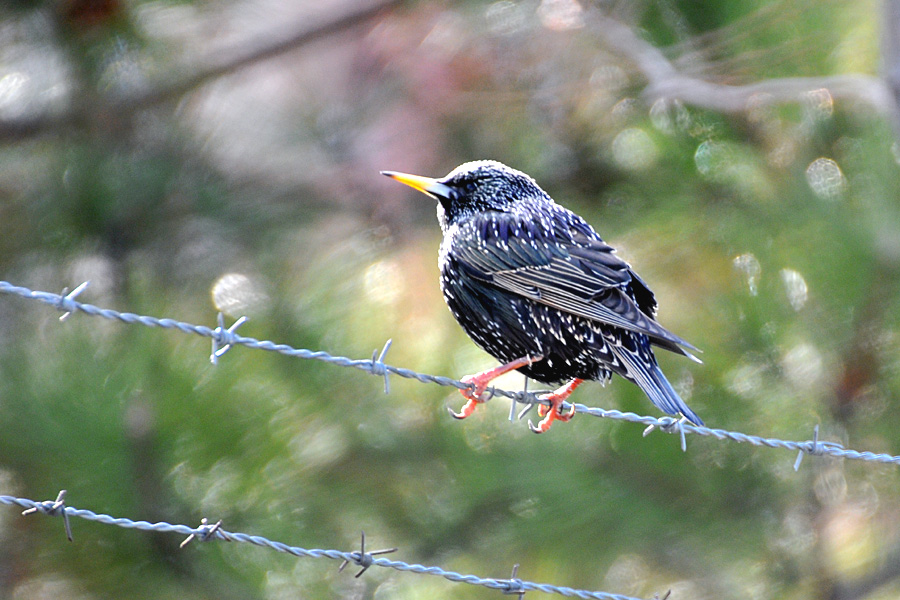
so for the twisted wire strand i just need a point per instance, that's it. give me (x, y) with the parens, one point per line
(224, 339)
(360, 557)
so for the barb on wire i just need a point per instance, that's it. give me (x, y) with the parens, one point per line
(814, 447)
(205, 532)
(67, 297)
(223, 340)
(515, 584)
(361, 557)
(675, 427)
(377, 367)
(515, 401)
(53, 508)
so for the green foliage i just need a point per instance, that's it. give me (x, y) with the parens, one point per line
(781, 266)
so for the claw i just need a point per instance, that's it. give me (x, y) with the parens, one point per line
(480, 381)
(467, 409)
(551, 413)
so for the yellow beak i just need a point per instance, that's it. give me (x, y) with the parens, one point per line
(426, 185)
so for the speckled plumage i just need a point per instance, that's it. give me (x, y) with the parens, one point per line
(525, 276)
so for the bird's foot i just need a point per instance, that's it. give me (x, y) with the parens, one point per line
(476, 394)
(552, 413)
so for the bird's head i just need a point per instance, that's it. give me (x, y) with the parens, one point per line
(474, 187)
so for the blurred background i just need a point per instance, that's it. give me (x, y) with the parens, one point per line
(193, 156)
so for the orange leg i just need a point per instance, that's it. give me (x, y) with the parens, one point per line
(481, 381)
(552, 413)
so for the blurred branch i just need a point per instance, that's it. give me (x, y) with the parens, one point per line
(273, 46)
(890, 55)
(665, 81)
(215, 66)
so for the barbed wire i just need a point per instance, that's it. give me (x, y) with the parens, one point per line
(223, 339)
(207, 532)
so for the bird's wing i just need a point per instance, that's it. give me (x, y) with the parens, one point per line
(573, 271)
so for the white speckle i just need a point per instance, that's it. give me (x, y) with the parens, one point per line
(803, 365)
(561, 15)
(795, 288)
(634, 150)
(711, 157)
(819, 104)
(669, 115)
(825, 178)
(236, 294)
(748, 264)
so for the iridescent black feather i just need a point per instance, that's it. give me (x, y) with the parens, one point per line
(526, 277)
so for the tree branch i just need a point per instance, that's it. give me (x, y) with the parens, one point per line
(279, 44)
(665, 81)
(223, 63)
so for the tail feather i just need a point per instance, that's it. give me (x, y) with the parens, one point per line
(650, 378)
(664, 388)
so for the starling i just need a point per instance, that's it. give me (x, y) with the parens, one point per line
(537, 288)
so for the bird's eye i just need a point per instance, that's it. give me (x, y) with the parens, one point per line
(470, 187)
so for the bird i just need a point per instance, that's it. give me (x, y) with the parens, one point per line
(537, 288)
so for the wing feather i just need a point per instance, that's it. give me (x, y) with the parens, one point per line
(568, 268)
